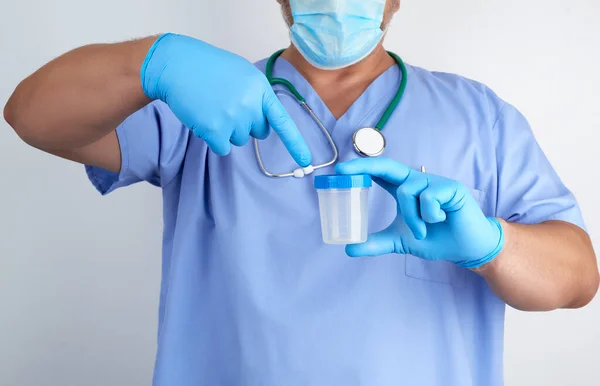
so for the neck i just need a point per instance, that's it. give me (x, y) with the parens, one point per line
(366, 70)
(350, 82)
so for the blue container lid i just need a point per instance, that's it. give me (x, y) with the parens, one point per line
(339, 181)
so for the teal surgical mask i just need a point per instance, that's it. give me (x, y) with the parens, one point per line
(333, 34)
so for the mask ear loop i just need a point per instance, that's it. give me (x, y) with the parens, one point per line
(386, 26)
(287, 18)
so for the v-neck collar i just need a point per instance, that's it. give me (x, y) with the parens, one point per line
(383, 88)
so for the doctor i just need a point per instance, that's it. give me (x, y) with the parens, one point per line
(250, 294)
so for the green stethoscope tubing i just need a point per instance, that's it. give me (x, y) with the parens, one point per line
(387, 113)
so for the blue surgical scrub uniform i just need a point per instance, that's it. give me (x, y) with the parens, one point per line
(250, 295)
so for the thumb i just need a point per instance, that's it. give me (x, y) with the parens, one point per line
(380, 243)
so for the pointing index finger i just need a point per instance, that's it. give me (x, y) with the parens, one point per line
(284, 126)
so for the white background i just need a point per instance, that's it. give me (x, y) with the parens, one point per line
(79, 274)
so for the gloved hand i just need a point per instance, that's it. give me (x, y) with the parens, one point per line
(220, 96)
(437, 218)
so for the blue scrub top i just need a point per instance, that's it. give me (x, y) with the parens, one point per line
(250, 294)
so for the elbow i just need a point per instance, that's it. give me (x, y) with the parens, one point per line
(10, 114)
(588, 279)
(593, 290)
(16, 118)
(577, 297)
(587, 290)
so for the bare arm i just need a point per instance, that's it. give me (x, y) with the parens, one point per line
(71, 106)
(544, 267)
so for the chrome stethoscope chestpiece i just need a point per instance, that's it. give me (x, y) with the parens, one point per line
(369, 142)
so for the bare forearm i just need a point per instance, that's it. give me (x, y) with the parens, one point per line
(79, 97)
(544, 267)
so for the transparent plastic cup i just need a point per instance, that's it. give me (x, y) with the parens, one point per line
(344, 208)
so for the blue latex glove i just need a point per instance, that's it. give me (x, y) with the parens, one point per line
(437, 218)
(220, 96)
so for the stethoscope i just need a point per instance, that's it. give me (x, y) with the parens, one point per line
(367, 141)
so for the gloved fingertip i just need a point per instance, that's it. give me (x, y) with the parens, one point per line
(441, 217)
(420, 233)
(221, 150)
(353, 251)
(303, 157)
(417, 227)
(260, 130)
(260, 135)
(343, 168)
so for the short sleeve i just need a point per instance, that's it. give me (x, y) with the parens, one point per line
(529, 189)
(153, 144)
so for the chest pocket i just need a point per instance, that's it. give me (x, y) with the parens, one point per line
(440, 271)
